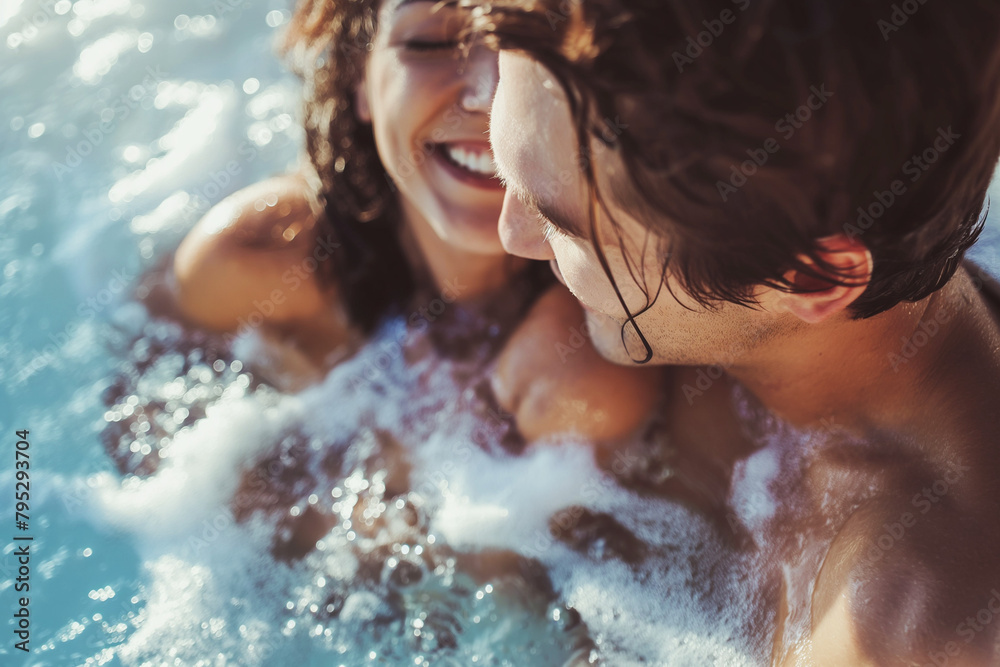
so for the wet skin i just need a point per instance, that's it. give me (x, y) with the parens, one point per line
(252, 259)
(885, 552)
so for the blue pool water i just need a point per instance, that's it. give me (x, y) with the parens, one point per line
(120, 123)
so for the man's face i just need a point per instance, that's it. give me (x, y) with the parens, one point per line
(545, 216)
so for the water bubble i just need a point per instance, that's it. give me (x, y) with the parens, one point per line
(131, 154)
(251, 86)
(36, 130)
(275, 18)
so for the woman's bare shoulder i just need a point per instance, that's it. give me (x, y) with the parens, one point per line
(550, 377)
(258, 251)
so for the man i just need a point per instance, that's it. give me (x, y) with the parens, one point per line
(778, 195)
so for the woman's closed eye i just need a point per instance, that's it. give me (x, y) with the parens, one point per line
(430, 45)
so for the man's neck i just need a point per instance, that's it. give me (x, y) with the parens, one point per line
(880, 374)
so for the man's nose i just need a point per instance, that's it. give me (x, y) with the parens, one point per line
(521, 231)
(481, 76)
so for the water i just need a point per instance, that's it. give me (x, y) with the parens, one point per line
(172, 483)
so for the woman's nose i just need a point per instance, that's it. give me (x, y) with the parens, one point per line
(521, 232)
(480, 77)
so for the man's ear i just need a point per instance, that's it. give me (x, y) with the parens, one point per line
(814, 299)
(361, 107)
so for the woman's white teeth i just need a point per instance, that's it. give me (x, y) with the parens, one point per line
(480, 163)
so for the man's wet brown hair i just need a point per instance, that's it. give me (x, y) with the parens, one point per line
(752, 128)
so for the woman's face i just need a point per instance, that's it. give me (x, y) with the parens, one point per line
(429, 110)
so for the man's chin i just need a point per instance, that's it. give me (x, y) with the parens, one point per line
(606, 336)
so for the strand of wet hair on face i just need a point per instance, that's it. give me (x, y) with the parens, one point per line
(606, 267)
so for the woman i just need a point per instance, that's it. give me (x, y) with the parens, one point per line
(399, 205)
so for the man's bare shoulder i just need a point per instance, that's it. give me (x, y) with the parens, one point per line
(911, 578)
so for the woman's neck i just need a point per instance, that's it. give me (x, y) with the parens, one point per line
(457, 273)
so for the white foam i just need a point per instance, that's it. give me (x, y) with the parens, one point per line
(752, 497)
(673, 608)
(507, 503)
(201, 473)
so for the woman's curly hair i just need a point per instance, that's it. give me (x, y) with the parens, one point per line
(327, 44)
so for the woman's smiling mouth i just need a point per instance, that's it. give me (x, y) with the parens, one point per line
(469, 162)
